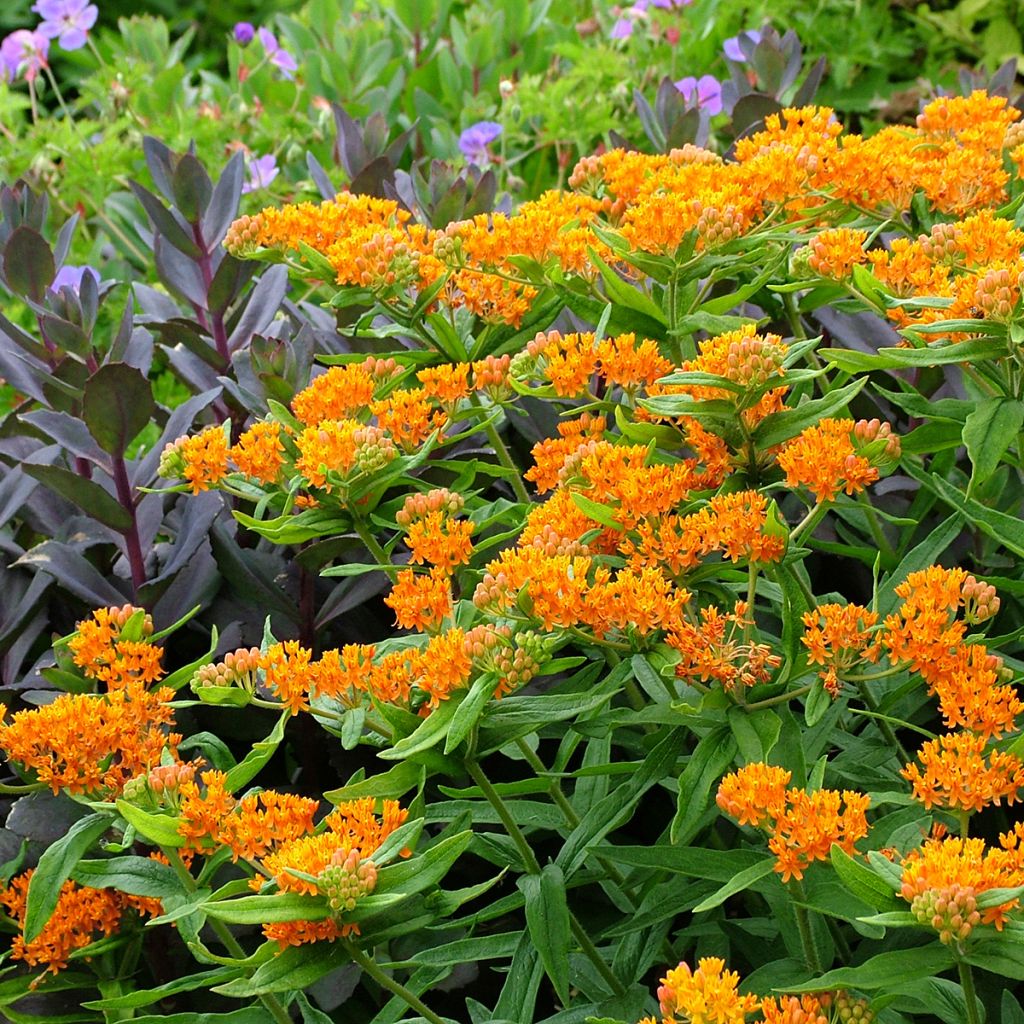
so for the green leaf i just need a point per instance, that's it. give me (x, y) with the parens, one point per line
(158, 828)
(547, 918)
(462, 951)
(137, 876)
(428, 734)
(862, 882)
(969, 351)
(248, 1015)
(252, 764)
(625, 295)
(391, 785)
(603, 514)
(886, 970)
(294, 969)
(86, 494)
(419, 873)
(116, 405)
(989, 431)
(712, 756)
(148, 996)
(284, 906)
(925, 554)
(781, 426)
(468, 712)
(54, 869)
(742, 881)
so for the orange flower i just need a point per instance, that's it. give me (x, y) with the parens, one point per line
(82, 916)
(201, 459)
(344, 674)
(837, 637)
(834, 253)
(264, 820)
(825, 459)
(447, 384)
(707, 995)
(259, 452)
(101, 651)
(328, 447)
(804, 1009)
(956, 772)
(804, 825)
(290, 674)
(342, 393)
(408, 417)
(420, 601)
(551, 456)
(93, 744)
(203, 810)
(568, 361)
(445, 666)
(643, 601)
(341, 858)
(440, 540)
(754, 795)
(622, 361)
(718, 649)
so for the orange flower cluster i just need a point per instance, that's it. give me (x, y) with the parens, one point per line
(835, 455)
(956, 772)
(104, 648)
(92, 745)
(709, 995)
(961, 869)
(719, 649)
(838, 637)
(835, 252)
(82, 916)
(925, 634)
(340, 855)
(804, 825)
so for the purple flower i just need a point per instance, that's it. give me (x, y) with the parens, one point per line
(732, 46)
(476, 138)
(281, 59)
(71, 277)
(23, 53)
(67, 21)
(622, 29)
(262, 171)
(705, 91)
(244, 33)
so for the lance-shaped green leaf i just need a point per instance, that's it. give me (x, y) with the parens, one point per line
(157, 828)
(252, 764)
(989, 431)
(55, 868)
(547, 918)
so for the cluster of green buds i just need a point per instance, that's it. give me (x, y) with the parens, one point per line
(374, 449)
(752, 360)
(980, 600)
(419, 506)
(951, 911)
(448, 246)
(996, 294)
(853, 1010)
(717, 227)
(172, 463)
(345, 880)
(875, 441)
(514, 658)
(242, 236)
(387, 265)
(231, 681)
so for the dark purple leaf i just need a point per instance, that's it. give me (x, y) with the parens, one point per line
(192, 189)
(222, 208)
(117, 404)
(28, 262)
(71, 433)
(73, 572)
(88, 495)
(263, 303)
(166, 222)
(180, 273)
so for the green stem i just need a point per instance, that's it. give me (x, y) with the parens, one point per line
(809, 522)
(748, 629)
(780, 698)
(803, 923)
(370, 966)
(884, 727)
(374, 547)
(504, 458)
(965, 822)
(572, 819)
(30, 787)
(842, 946)
(273, 1005)
(532, 865)
(970, 996)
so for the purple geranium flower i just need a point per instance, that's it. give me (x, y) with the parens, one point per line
(244, 33)
(280, 58)
(706, 90)
(67, 21)
(23, 53)
(476, 138)
(71, 277)
(262, 171)
(622, 29)
(732, 46)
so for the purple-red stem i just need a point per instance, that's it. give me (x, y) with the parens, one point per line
(131, 535)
